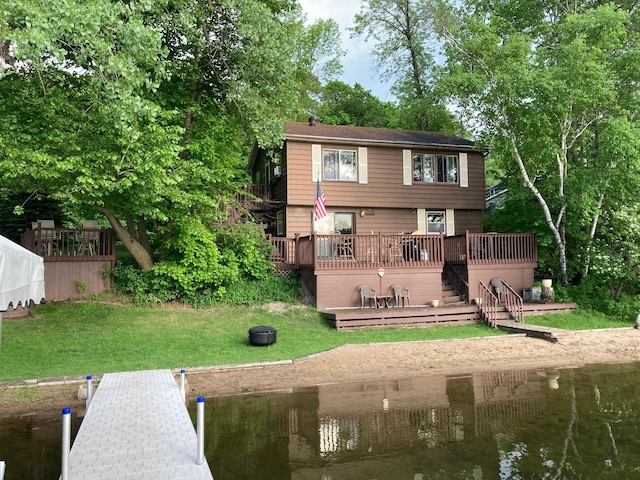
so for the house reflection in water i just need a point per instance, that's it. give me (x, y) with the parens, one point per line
(357, 421)
(386, 429)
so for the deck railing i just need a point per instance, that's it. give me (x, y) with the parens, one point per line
(491, 248)
(71, 244)
(284, 253)
(513, 302)
(361, 251)
(488, 305)
(253, 195)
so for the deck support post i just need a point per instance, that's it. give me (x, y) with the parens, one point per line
(200, 431)
(89, 391)
(66, 442)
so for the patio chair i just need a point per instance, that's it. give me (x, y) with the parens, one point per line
(89, 237)
(367, 294)
(47, 237)
(498, 287)
(401, 294)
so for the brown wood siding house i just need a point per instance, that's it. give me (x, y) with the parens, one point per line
(376, 182)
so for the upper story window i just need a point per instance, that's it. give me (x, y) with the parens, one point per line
(423, 168)
(435, 168)
(339, 165)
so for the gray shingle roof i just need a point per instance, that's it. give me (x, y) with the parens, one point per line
(301, 131)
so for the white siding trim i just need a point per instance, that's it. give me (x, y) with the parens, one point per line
(407, 169)
(422, 220)
(363, 160)
(464, 170)
(316, 162)
(451, 222)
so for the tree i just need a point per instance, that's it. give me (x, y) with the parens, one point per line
(143, 110)
(542, 83)
(342, 104)
(404, 41)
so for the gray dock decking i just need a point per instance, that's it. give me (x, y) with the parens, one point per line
(137, 427)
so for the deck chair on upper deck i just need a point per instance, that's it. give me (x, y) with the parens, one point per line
(400, 293)
(367, 294)
(46, 237)
(89, 237)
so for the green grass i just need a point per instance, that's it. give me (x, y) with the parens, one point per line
(85, 338)
(578, 320)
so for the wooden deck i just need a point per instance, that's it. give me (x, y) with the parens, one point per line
(461, 314)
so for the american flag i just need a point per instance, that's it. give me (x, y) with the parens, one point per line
(320, 211)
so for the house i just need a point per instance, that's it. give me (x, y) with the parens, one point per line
(373, 179)
(403, 207)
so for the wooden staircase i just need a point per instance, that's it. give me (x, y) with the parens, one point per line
(449, 294)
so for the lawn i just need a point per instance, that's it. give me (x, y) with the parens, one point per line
(91, 337)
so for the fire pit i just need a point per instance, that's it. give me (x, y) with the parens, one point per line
(262, 335)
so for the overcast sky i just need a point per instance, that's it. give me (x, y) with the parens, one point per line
(357, 63)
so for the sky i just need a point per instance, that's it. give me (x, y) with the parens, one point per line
(358, 64)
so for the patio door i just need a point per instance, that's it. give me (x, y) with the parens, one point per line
(344, 223)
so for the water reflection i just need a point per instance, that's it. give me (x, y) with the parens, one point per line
(31, 445)
(523, 424)
(533, 424)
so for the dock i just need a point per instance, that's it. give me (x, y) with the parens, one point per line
(137, 427)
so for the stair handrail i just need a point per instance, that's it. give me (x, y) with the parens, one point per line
(488, 305)
(458, 282)
(513, 303)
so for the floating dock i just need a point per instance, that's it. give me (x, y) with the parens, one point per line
(137, 427)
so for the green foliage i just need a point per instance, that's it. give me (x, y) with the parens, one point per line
(204, 266)
(342, 104)
(270, 288)
(590, 294)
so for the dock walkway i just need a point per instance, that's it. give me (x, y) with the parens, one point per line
(137, 427)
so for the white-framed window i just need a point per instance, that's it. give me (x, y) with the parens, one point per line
(436, 221)
(423, 167)
(430, 168)
(447, 168)
(280, 223)
(339, 165)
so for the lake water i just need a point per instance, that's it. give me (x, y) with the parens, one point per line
(581, 423)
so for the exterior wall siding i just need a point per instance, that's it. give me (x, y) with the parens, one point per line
(60, 279)
(384, 188)
(389, 206)
(338, 289)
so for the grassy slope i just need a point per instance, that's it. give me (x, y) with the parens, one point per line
(92, 338)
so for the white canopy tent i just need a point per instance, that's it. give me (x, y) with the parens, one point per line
(21, 277)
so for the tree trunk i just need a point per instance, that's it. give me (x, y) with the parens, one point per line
(141, 255)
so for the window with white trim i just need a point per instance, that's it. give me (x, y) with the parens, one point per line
(339, 165)
(447, 168)
(431, 168)
(435, 220)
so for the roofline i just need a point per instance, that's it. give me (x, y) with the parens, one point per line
(381, 143)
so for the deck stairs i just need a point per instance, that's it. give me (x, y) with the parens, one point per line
(449, 294)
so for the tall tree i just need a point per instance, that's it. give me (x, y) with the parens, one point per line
(141, 110)
(404, 42)
(342, 104)
(543, 82)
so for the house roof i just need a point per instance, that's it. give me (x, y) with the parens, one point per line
(368, 136)
(374, 136)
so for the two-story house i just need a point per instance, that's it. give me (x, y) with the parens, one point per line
(403, 207)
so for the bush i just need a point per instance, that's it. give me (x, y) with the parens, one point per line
(591, 296)
(271, 288)
(222, 266)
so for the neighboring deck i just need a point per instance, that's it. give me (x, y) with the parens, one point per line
(422, 316)
(137, 426)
